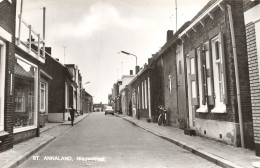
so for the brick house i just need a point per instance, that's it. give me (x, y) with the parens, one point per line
(87, 102)
(60, 89)
(173, 91)
(74, 97)
(251, 15)
(7, 57)
(30, 82)
(123, 90)
(139, 93)
(209, 54)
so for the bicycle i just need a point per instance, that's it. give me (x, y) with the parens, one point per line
(163, 118)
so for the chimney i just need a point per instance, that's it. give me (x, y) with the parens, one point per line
(131, 72)
(150, 60)
(137, 68)
(169, 35)
(48, 50)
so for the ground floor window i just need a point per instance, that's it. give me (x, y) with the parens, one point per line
(26, 77)
(42, 96)
(2, 83)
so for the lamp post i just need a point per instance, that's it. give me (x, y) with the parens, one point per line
(136, 66)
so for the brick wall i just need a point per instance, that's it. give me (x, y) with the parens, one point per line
(170, 68)
(254, 79)
(7, 22)
(212, 27)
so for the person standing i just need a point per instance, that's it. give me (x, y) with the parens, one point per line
(72, 114)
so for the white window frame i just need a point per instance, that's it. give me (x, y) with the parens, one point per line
(2, 82)
(142, 95)
(145, 94)
(220, 106)
(16, 130)
(170, 83)
(45, 96)
(66, 95)
(202, 108)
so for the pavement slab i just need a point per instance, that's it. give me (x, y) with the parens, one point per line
(222, 154)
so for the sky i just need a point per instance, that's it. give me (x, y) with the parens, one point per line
(91, 34)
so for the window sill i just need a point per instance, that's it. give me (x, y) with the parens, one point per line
(202, 109)
(219, 109)
(17, 130)
(3, 134)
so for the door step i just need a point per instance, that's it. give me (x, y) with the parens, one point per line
(190, 132)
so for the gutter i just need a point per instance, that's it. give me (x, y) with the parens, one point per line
(237, 75)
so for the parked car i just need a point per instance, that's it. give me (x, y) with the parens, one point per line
(109, 110)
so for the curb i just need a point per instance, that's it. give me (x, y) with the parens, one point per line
(201, 153)
(14, 163)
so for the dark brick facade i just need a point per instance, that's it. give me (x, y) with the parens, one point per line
(211, 28)
(7, 22)
(60, 75)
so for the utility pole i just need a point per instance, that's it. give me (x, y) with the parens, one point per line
(64, 47)
(176, 13)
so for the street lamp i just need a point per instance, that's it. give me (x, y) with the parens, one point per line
(136, 66)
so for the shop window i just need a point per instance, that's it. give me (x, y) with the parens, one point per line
(26, 77)
(42, 97)
(2, 82)
(19, 101)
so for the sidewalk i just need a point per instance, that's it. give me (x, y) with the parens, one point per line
(22, 151)
(216, 152)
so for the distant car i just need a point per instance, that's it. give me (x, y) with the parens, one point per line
(109, 110)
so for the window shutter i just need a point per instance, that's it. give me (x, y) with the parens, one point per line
(209, 74)
(223, 67)
(203, 75)
(193, 78)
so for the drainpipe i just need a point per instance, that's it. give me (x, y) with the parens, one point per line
(237, 75)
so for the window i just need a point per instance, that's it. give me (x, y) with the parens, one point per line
(218, 62)
(170, 83)
(149, 94)
(207, 77)
(42, 96)
(19, 101)
(193, 78)
(201, 80)
(142, 95)
(145, 94)
(67, 95)
(2, 82)
(26, 86)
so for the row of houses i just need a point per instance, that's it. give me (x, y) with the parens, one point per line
(35, 88)
(206, 75)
